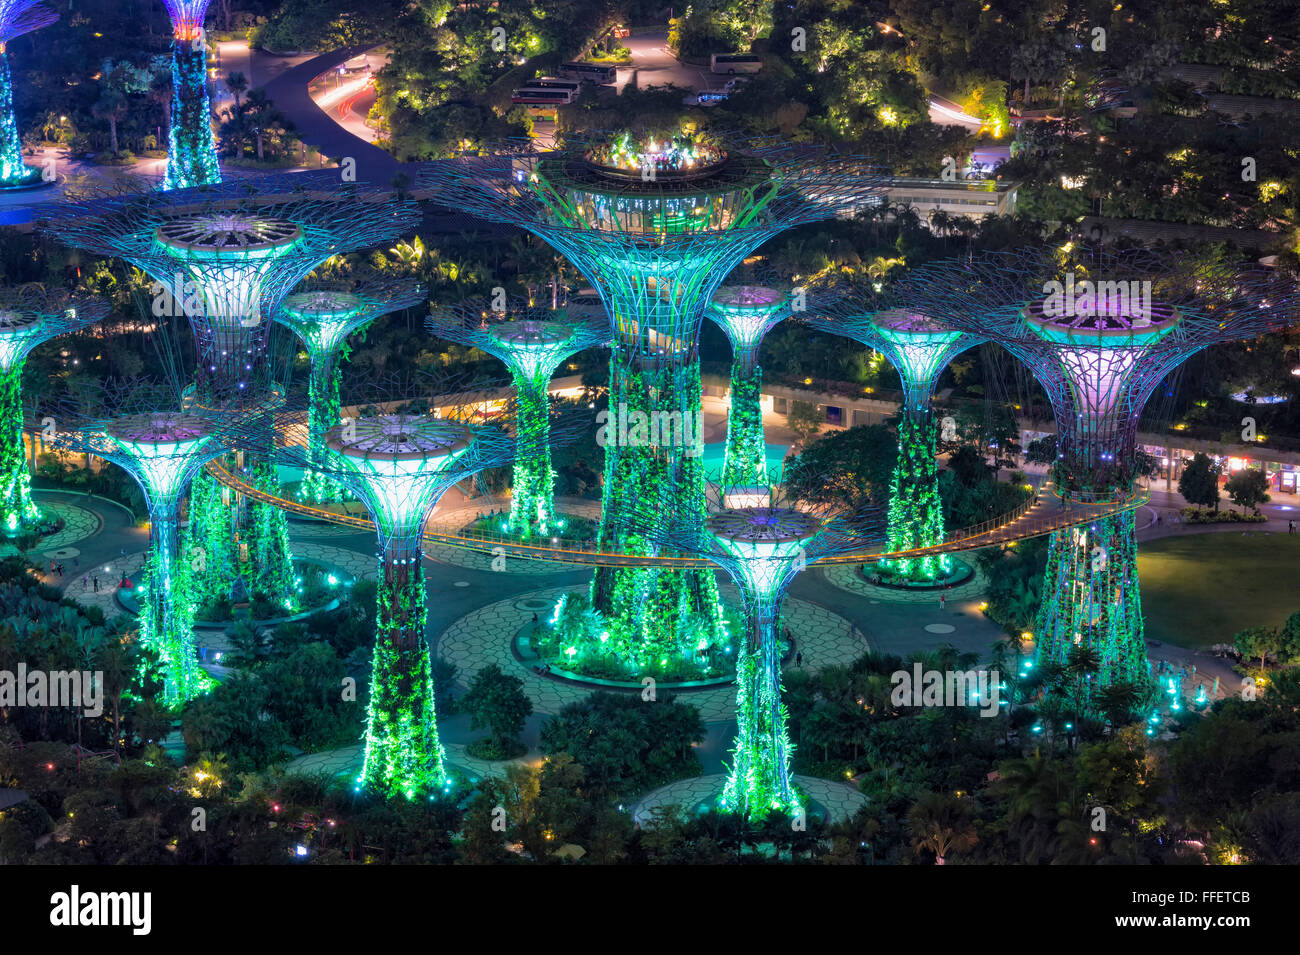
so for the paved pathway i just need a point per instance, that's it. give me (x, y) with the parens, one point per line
(841, 800)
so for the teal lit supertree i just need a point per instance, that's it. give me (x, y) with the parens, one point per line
(399, 466)
(746, 313)
(532, 342)
(762, 548)
(919, 348)
(162, 451)
(1100, 331)
(323, 314)
(655, 223)
(28, 316)
(225, 256)
(17, 18)
(192, 150)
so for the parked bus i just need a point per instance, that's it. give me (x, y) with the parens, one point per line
(538, 97)
(591, 72)
(554, 83)
(735, 63)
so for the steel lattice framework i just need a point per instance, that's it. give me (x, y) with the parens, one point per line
(17, 18)
(323, 313)
(399, 466)
(1099, 330)
(162, 450)
(919, 348)
(655, 227)
(532, 342)
(29, 316)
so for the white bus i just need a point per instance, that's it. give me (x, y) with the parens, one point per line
(540, 97)
(735, 63)
(591, 72)
(554, 83)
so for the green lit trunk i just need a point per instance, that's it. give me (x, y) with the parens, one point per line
(18, 513)
(12, 168)
(653, 616)
(915, 511)
(403, 754)
(746, 458)
(532, 504)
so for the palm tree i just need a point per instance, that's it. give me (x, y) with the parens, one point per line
(236, 82)
(1082, 661)
(941, 824)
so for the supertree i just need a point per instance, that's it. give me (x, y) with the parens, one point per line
(192, 151)
(532, 342)
(1099, 330)
(17, 18)
(919, 348)
(399, 466)
(323, 313)
(29, 316)
(162, 451)
(762, 548)
(746, 313)
(225, 256)
(655, 223)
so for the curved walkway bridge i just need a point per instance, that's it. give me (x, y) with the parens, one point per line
(1042, 514)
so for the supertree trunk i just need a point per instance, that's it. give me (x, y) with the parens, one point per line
(1091, 598)
(532, 505)
(17, 510)
(746, 456)
(12, 168)
(209, 549)
(269, 571)
(192, 156)
(167, 613)
(759, 781)
(653, 615)
(915, 511)
(404, 756)
(322, 414)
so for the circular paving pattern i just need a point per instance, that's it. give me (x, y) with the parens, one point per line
(846, 577)
(81, 586)
(939, 628)
(484, 637)
(840, 799)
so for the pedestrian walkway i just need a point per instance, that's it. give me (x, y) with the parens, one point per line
(840, 800)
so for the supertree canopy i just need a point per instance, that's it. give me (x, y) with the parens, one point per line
(919, 348)
(323, 314)
(399, 466)
(162, 451)
(192, 151)
(1099, 330)
(532, 342)
(225, 256)
(17, 18)
(655, 224)
(28, 316)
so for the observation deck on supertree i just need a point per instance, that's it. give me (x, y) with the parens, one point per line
(17, 18)
(29, 316)
(532, 342)
(235, 250)
(323, 314)
(399, 466)
(1100, 330)
(919, 348)
(655, 224)
(162, 451)
(192, 150)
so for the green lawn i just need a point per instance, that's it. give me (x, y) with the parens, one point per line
(1203, 588)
